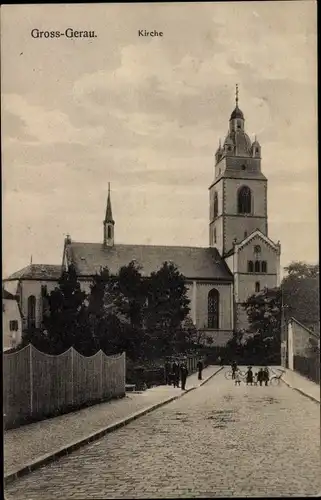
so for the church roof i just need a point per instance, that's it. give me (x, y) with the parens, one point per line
(37, 272)
(192, 262)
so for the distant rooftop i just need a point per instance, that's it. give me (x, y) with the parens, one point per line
(37, 272)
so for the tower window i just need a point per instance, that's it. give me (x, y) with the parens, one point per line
(215, 206)
(213, 309)
(244, 199)
(257, 266)
(109, 232)
(250, 266)
(257, 286)
(264, 266)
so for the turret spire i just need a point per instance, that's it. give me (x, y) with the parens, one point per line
(109, 214)
(109, 223)
(237, 95)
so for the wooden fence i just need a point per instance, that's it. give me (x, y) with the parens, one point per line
(38, 385)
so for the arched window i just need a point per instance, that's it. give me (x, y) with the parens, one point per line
(257, 266)
(108, 232)
(215, 206)
(264, 266)
(31, 311)
(257, 286)
(213, 309)
(250, 266)
(244, 200)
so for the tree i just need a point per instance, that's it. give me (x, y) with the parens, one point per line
(300, 289)
(64, 324)
(167, 305)
(130, 294)
(264, 310)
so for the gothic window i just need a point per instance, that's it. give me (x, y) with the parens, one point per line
(108, 232)
(244, 200)
(257, 266)
(250, 266)
(215, 204)
(264, 266)
(257, 286)
(213, 309)
(31, 311)
(257, 249)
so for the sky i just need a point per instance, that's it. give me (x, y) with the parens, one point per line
(146, 115)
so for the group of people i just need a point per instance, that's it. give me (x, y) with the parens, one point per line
(176, 372)
(260, 377)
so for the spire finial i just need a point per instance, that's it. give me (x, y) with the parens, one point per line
(31, 259)
(237, 95)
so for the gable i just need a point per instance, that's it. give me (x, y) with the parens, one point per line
(267, 253)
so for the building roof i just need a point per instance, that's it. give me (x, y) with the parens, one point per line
(7, 295)
(37, 272)
(192, 262)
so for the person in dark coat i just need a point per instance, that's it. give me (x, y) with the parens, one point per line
(249, 376)
(260, 376)
(266, 375)
(234, 368)
(200, 369)
(184, 373)
(167, 370)
(175, 370)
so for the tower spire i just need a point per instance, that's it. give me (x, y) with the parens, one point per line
(109, 214)
(237, 95)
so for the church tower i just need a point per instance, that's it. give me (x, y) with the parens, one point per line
(109, 223)
(238, 225)
(238, 194)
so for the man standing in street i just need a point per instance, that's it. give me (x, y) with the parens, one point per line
(200, 369)
(175, 370)
(184, 373)
(167, 369)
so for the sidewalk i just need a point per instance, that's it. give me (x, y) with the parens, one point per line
(30, 446)
(300, 383)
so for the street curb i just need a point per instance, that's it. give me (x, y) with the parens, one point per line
(66, 450)
(300, 391)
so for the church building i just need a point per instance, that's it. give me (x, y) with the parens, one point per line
(240, 259)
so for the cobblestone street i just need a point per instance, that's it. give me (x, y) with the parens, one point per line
(218, 440)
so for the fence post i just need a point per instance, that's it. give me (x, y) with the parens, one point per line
(101, 374)
(31, 379)
(72, 376)
(124, 371)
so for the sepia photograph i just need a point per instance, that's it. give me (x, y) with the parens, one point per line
(160, 250)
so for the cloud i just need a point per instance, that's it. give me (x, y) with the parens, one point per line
(48, 126)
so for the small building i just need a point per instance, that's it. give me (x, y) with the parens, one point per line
(31, 285)
(11, 320)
